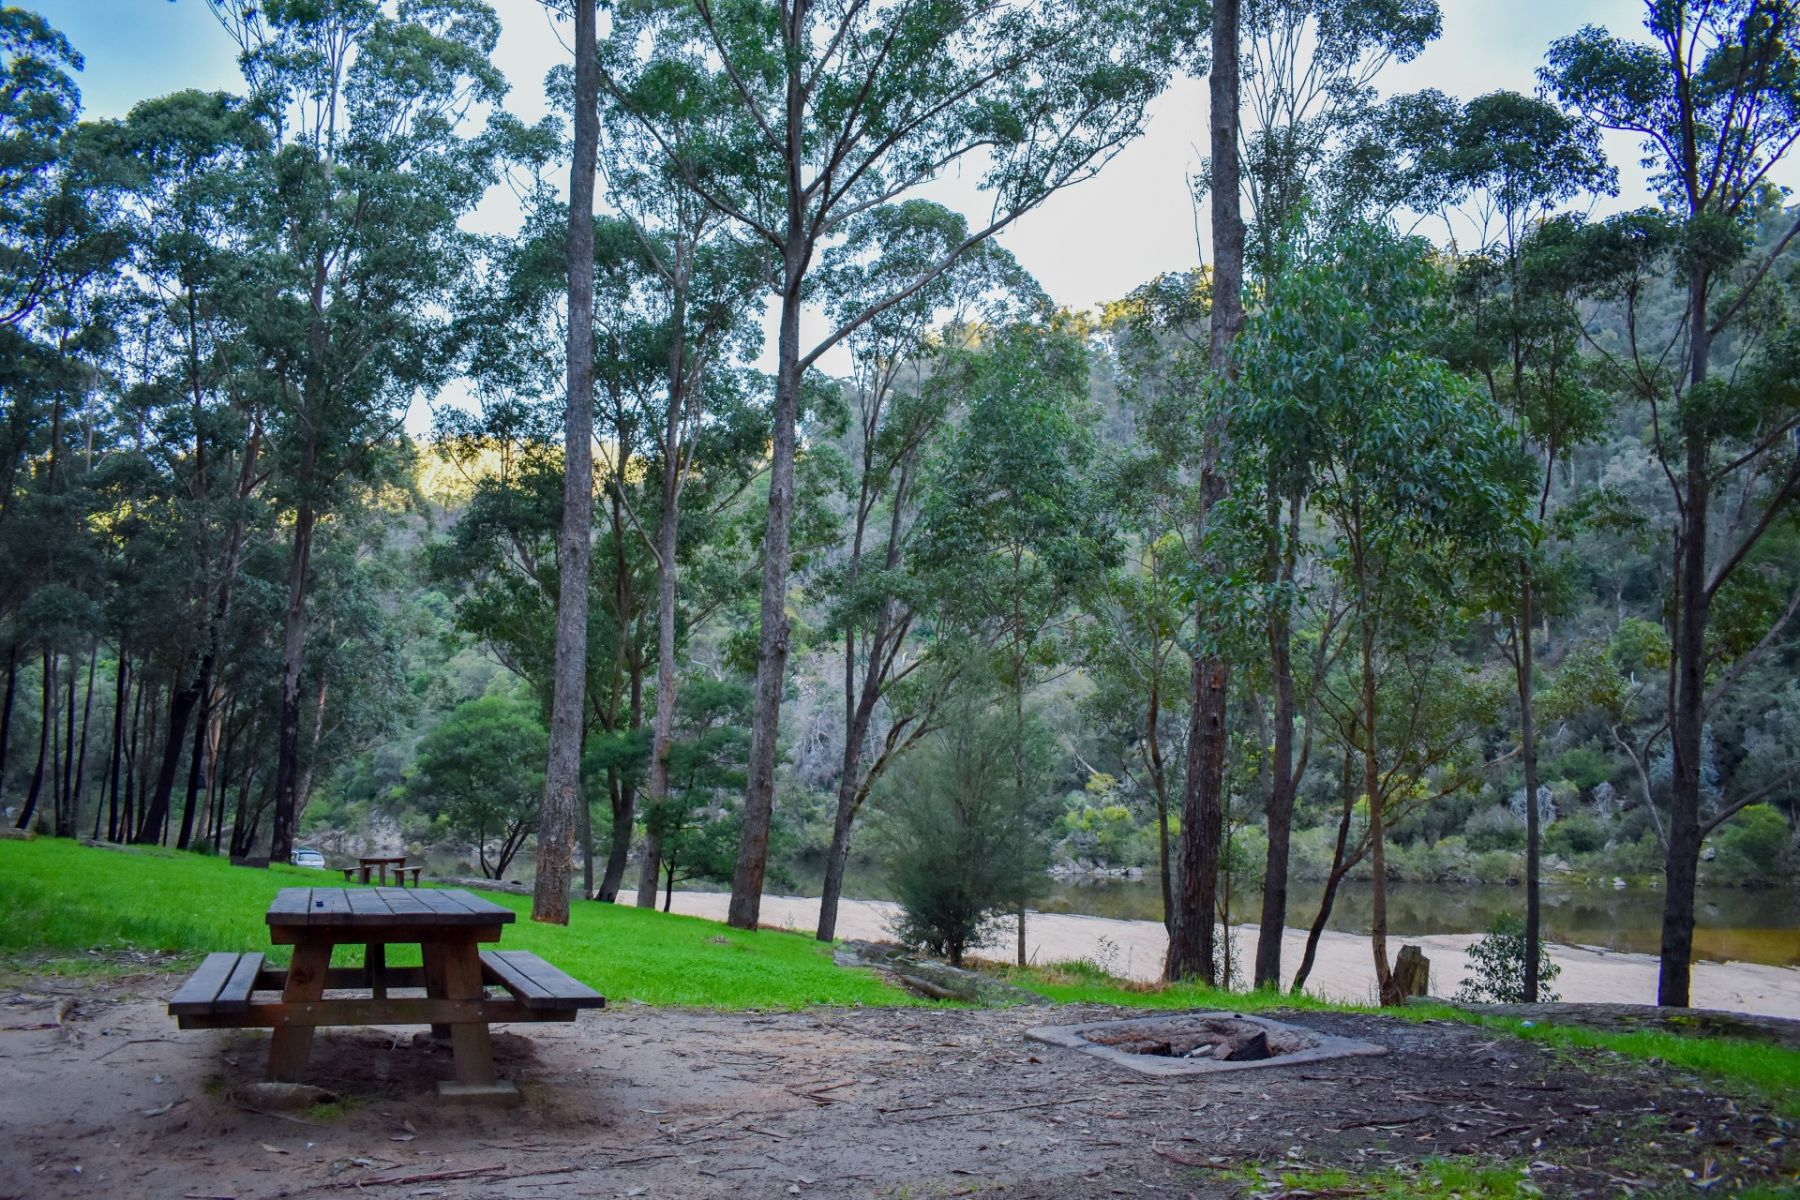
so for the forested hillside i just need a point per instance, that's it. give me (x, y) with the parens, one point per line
(1443, 528)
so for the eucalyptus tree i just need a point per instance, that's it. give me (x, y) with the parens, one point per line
(182, 171)
(1191, 949)
(694, 307)
(1714, 96)
(1309, 93)
(1513, 160)
(562, 774)
(371, 166)
(794, 118)
(900, 414)
(1404, 461)
(1011, 509)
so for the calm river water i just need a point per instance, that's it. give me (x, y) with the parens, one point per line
(1740, 924)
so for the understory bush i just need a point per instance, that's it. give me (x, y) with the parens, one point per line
(1497, 966)
(1578, 833)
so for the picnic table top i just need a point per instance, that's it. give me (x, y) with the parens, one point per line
(349, 908)
(372, 859)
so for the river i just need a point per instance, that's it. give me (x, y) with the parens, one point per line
(1757, 925)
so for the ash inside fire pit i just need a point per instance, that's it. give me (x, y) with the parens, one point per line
(1191, 1043)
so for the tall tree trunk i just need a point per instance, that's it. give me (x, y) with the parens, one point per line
(772, 644)
(1529, 758)
(197, 753)
(65, 791)
(1282, 783)
(562, 775)
(156, 812)
(121, 698)
(1688, 690)
(87, 711)
(1340, 867)
(662, 721)
(293, 652)
(6, 708)
(1384, 977)
(46, 703)
(128, 810)
(1191, 943)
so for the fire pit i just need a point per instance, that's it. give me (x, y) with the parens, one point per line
(1201, 1043)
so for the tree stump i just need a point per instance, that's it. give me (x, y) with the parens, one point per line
(1412, 972)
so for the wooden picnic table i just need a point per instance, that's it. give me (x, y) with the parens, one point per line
(448, 926)
(370, 863)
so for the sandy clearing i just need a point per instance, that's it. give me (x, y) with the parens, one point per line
(1344, 971)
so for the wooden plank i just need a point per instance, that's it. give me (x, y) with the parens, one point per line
(395, 1010)
(470, 1044)
(366, 902)
(291, 906)
(537, 983)
(290, 1047)
(345, 978)
(415, 929)
(235, 995)
(330, 906)
(201, 990)
(403, 903)
(470, 902)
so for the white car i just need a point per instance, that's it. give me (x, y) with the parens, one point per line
(305, 857)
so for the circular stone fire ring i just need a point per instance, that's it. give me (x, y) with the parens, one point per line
(1200, 1043)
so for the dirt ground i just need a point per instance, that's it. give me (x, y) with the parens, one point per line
(100, 1096)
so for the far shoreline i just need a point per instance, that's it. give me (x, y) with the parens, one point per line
(1344, 970)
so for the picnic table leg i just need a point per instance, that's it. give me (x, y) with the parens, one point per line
(435, 982)
(469, 1040)
(375, 968)
(291, 1045)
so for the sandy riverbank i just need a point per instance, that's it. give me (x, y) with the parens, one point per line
(1344, 971)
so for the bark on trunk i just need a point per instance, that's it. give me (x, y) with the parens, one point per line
(1281, 801)
(1191, 941)
(46, 701)
(562, 776)
(293, 660)
(6, 709)
(772, 646)
(87, 712)
(1687, 724)
(1339, 868)
(1528, 756)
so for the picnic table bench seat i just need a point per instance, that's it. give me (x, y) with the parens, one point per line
(222, 985)
(536, 984)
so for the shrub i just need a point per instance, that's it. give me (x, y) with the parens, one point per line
(956, 836)
(1499, 866)
(1495, 829)
(1753, 844)
(1497, 966)
(1584, 766)
(1581, 833)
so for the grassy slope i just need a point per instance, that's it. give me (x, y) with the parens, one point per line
(61, 897)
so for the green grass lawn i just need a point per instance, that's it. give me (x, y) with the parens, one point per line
(62, 900)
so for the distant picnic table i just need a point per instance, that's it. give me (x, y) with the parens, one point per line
(369, 864)
(447, 925)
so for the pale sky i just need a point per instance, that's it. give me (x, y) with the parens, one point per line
(1087, 245)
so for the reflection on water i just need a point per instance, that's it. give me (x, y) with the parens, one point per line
(1737, 924)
